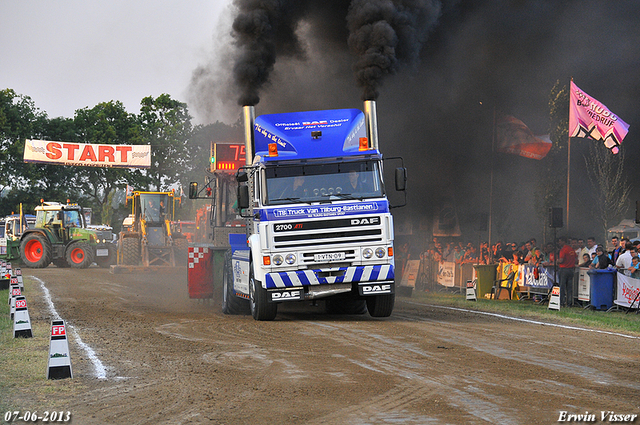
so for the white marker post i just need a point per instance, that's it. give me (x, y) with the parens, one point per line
(21, 322)
(4, 280)
(15, 281)
(14, 292)
(17, 273)
(59, 357)
(554, 301)
(471, 290)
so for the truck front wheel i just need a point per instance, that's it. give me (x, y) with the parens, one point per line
(35, 251)
(261, 308)
(380, 305)
(230, 303)
(79, 255)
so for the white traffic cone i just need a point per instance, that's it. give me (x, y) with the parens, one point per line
(21, 322)
(59, 357)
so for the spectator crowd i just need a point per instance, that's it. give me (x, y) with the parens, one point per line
(564, 256)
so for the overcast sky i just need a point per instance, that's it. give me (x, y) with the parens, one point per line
(71, 54)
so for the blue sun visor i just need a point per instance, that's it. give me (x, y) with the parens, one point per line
(313, 134)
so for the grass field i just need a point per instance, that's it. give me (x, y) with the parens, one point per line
(23, 368)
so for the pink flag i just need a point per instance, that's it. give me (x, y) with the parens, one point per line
(513, 136)
(590, 118)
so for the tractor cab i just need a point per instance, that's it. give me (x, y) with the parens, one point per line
(147, 234)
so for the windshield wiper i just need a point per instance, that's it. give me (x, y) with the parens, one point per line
(341, 196)
(284, 199)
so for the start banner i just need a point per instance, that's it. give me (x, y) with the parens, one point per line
(87, 154)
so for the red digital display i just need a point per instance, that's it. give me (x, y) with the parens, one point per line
(227, 157)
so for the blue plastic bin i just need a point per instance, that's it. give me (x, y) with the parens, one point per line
(602, 284)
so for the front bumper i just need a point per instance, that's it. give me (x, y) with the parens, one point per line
(330, 276)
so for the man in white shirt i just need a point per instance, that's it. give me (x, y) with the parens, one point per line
(624, 260)
(591, 245)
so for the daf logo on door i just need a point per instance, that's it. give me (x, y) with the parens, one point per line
(365, 221)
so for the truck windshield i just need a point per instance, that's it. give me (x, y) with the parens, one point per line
(321, 182)
(154, 206)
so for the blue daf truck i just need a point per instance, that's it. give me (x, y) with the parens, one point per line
(318, 219)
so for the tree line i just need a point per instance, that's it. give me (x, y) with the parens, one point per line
(180, 153)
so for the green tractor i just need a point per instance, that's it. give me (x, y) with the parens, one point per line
(61, 236)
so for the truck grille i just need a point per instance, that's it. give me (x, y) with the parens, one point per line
(328, 233)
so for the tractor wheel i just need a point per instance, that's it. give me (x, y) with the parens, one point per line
(106, 262)
(79, 255)
(35, 251)
(261, 308)
(131, 251)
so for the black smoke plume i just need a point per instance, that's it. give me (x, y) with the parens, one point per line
(382, 34)
(481, 56)
(262, 30)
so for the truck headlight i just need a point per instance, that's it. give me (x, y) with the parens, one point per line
(367, 253)
(290, 259)
(380, 252)
(277, 259)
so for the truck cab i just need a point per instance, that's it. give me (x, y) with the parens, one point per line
(318, 218)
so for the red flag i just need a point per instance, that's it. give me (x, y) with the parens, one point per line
(513, 136)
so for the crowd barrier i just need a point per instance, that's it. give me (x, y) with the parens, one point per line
(530, 281)
(627, 292)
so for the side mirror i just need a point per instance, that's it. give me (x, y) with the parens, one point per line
(242, 176)
(243, 197)
(193, 190)
(401, 179)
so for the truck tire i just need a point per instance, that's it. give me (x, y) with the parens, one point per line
(230, 303)
(35, 251)
(131, 251)
(79, 255)
(261, 308)
(109, 260)
(381, 305)
(341, 305)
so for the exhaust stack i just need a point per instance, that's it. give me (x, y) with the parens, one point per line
(249, 114)
(371, 121)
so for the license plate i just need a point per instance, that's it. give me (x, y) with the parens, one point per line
(102, 252)
(335, 256)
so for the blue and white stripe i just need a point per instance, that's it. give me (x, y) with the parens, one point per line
(309, 277)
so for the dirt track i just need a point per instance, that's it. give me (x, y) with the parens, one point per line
(172, 360)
